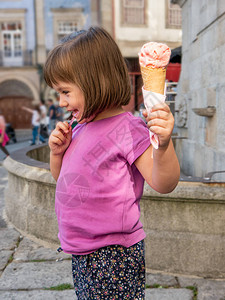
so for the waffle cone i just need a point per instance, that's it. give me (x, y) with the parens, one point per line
(154, 79)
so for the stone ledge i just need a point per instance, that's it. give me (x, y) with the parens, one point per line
(189, 191)
(34, 171)
(31, 156)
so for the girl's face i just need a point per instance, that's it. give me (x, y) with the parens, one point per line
(70, 97)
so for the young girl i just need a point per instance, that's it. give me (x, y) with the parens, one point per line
(100, 166)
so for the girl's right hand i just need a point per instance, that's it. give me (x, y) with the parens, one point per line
(60, 138)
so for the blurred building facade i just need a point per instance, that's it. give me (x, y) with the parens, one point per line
(30, 28)
(137, 22)
(200, 101)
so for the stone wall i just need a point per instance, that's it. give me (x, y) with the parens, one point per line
(202, 86)
(29, 200)
(185, 229)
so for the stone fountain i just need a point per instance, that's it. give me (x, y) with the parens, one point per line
(185, 229)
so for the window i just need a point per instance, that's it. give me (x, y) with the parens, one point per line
(66, 21)
(12, 43)
(173, 15)
(65, 28)
(133, 12)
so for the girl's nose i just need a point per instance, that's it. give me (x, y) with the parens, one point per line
(62, 101)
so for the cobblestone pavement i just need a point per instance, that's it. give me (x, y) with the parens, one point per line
(30, 270)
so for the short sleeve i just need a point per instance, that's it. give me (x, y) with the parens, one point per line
(139, 135)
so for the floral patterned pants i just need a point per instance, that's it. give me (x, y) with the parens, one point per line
(112, 272)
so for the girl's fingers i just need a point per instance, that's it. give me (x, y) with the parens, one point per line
(60, 135)
(145, 113)
(159, 114)
(162, 133)
(160, 110)
(60, 138)
(158, 122)
(161, 106)
(56, 140)
(153, 118)
(63, 126)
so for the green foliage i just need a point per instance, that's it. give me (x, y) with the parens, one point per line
(61, 287)
(155, 286)
(158, 286)
(194, 290)
(10, 259)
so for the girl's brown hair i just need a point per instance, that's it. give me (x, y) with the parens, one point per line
(92, 60)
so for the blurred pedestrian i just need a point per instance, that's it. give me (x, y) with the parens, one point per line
(35, 122)
(59, 114)
(51, 115)
(43, 120)
(3, 136)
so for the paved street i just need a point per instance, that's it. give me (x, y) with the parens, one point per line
(23, 138)
(30, 270)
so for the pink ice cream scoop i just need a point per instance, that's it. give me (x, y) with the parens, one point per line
(155, 55)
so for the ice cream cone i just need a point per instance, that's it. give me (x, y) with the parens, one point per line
(153, 59)
(154, 79)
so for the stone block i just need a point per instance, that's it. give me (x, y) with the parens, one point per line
(4, 258)
(9, 238)
(42, 223)
(36, 275)
(185, 253)
(184, 216)
(165, 280)
(46, 195)
(38, 294)
(31, 251)
(168, 294)
(212, 290)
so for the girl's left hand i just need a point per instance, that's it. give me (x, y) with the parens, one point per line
(60, 138)
(160, 121)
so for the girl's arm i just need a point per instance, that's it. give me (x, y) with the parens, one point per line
(59, 141)
(55, 165)
(160, 167)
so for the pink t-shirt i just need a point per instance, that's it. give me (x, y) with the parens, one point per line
(99, 187)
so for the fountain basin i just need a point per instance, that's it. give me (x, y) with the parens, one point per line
(185, 229)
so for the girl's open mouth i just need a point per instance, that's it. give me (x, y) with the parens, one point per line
(75, 113)
(74, 116)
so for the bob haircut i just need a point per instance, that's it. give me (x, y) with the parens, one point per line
(92, 60)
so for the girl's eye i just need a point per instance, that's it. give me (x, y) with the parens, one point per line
(65, 92)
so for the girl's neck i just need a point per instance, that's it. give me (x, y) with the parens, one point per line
(111, 112)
